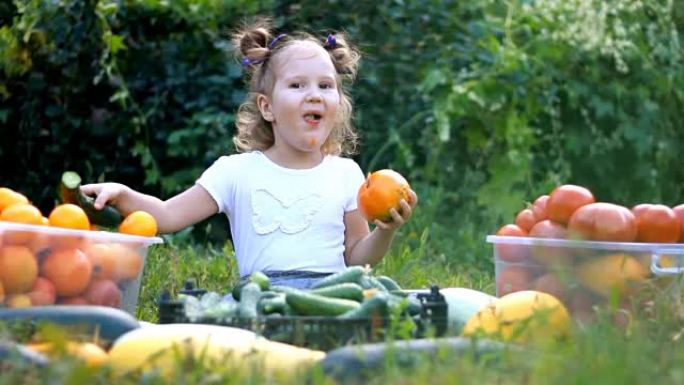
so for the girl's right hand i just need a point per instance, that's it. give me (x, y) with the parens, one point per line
(104, 193)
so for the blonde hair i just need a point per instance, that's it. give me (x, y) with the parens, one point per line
(255, 46)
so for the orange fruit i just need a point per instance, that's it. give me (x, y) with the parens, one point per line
(103, 260)
(129, 263)
(21, 213)
(18, 269)
(139, 223)
(69, 270)
(70, 216)
(43, 292)
(381, 191)
(2, 293)
(9, 197)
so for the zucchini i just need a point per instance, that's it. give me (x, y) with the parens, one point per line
(272, 305)
(370, 282)
(307, 303)
(350, 274)
(70, 192)
(375, 306)
(249, 297)
(388, 283)
(347, 290)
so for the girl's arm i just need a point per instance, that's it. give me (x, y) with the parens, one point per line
(365, 247)
(185, 209)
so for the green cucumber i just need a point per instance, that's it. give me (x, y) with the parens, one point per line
(272, 305)
(346, 290)
(375, 306)
(307, 303)
(350, 274)
(249, 297)
(388, 283)
(370, 282)
(70, 192)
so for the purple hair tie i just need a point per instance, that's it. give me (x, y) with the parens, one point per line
(330, 42)
(248, 61)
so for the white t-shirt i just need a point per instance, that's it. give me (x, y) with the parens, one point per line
(284, 219)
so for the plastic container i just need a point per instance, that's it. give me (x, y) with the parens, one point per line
(586, 274)
(324, 333)
(43, 265)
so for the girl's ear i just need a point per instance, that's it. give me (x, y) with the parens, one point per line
(264, 107)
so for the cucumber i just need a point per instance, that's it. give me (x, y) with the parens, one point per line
(307, 303)
(370, 282)
(261, 279)
(347, 290)
(372, 307)
(249, 297)
(388, 283)
(70, 192)
(350, 274)
(272, 305)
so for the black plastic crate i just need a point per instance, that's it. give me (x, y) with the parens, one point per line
(326, 333)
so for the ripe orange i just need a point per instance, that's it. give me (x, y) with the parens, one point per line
(9, 197)
(129, 263)
(18, 269)
(381, 191)
(139, 223)
(21, 213)
(70, 216)
(69, 270)
(103, 260)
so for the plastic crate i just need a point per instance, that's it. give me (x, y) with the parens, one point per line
(324, 333)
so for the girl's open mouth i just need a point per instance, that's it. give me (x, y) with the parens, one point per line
(312, 118)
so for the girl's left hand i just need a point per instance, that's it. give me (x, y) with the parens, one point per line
(399, 217)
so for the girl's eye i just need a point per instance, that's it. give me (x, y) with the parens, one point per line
(295, 85)
(326, 86)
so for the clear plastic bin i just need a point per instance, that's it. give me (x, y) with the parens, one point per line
(43, 265)
(585, 274)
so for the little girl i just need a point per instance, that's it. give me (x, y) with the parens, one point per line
(288, 194)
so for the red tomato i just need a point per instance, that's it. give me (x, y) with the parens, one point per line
(603, 222)
(510, 279)
(565, 199)
(525, 219)
(550, 255)
(679, 212)
(656, 223)
(511, 252)
(539, 208)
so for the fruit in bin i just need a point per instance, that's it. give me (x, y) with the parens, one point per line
(18, 301)
(382, 191)
(525, 219)
(513, 278)
(679, 212)
(77, 300)
(88, 352)
(69, 270)
(43, 292)
(656, 223)
(18, 269)
(103, 292)
(603, 222)
(511, 252)
(565, 200)
(551, 283)
(20, 213)
(139, 223)
(103, 259)
(539, 208)
(550, 255)
(2, 292)
(69, 216)
(9, 197)
(614, 272)
(129, 263)
(523, 316)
